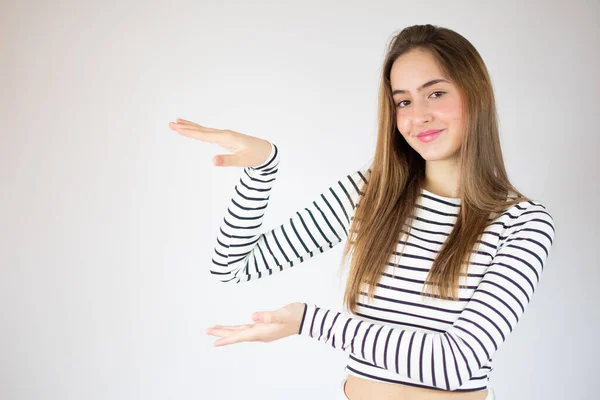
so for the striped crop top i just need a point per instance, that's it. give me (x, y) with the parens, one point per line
(400, 337)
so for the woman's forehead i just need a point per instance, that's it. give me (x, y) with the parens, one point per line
(413, 69)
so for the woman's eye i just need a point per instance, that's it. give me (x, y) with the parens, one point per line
(438, 92)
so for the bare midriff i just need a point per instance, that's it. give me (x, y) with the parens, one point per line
(357, 388)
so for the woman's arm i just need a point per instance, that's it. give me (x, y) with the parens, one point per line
(448, 358)
(242, 252)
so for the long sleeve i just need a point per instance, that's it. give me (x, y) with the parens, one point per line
(447, 359)
(243, 252)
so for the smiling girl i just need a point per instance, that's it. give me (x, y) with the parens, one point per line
(446, 253)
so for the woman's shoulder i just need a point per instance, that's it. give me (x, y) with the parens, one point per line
(523, 206)
(528, 215)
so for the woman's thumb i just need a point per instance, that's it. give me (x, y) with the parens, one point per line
(225, 160)
(266, 317)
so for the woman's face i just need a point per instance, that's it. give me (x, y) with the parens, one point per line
(423, 104)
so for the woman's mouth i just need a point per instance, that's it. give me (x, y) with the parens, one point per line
(428, 137)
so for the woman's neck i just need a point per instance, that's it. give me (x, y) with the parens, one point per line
(442, 177)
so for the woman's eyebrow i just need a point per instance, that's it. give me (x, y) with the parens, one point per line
(423, 86)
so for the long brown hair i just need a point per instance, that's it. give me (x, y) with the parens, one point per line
(397, 172)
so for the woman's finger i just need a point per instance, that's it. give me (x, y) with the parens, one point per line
(221, 332)
(267, 317)
(233, 336)
(226, 160)
(185, 121)
(209, 135)
(226, 331)
(233, 327)
(182, 124)
(226, 341)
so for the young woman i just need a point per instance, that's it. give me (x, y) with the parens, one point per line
(446, 253)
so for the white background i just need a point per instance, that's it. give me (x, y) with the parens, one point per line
(108, 218)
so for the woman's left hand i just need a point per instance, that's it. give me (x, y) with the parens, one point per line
(269, 326)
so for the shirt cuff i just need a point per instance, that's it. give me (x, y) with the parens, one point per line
(271, 161)
(307, 322)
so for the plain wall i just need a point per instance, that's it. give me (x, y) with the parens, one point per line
(108, 218)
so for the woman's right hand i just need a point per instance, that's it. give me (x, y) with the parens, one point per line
(248, 151)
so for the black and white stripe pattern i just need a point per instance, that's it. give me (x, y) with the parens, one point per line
(400, 337)
(452, 354)
(243, 252)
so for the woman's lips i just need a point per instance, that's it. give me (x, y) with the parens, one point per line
(429, 137)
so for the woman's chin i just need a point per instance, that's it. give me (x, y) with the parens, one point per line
(438, 155)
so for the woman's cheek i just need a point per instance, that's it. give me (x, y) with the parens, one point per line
(402, 123)
(448, 111)
(451, 109)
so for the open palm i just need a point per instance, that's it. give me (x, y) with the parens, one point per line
(248, 151)
(269, 326)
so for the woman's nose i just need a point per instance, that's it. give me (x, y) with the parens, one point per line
(421, 113)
